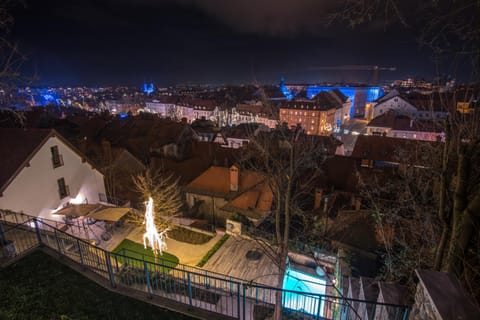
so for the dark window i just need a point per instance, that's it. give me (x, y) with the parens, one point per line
(57, 159)
(63, 190)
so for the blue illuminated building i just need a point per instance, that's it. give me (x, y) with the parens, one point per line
(361, 95)
(148, 88)
(286, 92)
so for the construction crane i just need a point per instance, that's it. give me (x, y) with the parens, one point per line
(375, 70)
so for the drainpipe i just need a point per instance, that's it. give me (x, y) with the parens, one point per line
(213, 214)
(3, 240)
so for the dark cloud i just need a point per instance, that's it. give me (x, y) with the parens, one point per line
(261, 17)
(270, 17)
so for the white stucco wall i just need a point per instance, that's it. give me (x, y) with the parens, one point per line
(35, 190)
(395, 103)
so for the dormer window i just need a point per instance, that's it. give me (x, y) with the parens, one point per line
(57, 159)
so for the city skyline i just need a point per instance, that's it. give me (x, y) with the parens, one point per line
(127, 43)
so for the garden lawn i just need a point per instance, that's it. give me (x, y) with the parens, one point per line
(40, 287)
(137, 251)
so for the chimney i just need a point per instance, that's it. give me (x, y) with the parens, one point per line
(107, 152)
(318, 198)
(234, 178)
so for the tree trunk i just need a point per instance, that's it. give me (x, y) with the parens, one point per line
(442, 213)
(460, 203)
(282, 265)
(465, 231)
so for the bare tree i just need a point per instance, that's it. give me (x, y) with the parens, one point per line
(166, 195)
(450, 29)
(11, 59)
(290, 162)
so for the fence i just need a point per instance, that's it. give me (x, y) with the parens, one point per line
(193, 287)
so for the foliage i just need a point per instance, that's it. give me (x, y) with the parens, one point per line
(188, 236)
(137, 251)
(212, 251)
(39, 287)
(239, 217)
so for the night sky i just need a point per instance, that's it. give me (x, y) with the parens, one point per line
(124, 42)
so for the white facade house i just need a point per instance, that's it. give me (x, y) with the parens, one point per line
(164, 109)
(43, 172)
(416, 106)
(396, 103)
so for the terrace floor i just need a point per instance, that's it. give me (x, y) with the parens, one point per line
(231, 259)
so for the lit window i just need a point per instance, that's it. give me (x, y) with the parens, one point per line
(313, 114)
(313, 121)
(63, 189)
(57, 159)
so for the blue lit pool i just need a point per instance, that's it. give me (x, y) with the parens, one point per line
(298, 281)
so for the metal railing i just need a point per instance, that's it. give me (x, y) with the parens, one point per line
(192, 286)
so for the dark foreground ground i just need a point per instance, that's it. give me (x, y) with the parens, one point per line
(39, 287)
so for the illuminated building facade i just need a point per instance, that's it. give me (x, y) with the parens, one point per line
(311, 116)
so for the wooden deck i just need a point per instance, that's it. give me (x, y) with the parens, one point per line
(231, 260)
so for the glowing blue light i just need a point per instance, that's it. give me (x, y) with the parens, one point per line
(123, 115)
(148, 88)
(371, 93)
(298, 281)
(286, 92)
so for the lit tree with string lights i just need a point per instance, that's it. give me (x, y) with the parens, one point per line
(163, 203)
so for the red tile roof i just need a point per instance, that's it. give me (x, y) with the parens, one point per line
(17, 147)
(393, 150)
(215, 181)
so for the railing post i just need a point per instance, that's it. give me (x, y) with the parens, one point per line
(58, 242)
(81, 255)
(110, 270)
(207, 284)
(2, 235)
(189, 288)
(37, 231)
(238, 300)
(319, 307)
(244, 301)
(116, 261)
(147, 275)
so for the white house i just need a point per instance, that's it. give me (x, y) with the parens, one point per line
(41, 171)
(391, 101)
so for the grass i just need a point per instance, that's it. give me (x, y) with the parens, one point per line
(189, 236)
(137, 251)
(212, 251)
(40, 287)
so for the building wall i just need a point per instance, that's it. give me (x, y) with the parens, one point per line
(211, 206)
(316, 122)
(35, 190)
(406, 134)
